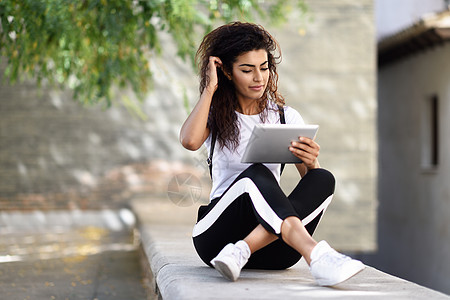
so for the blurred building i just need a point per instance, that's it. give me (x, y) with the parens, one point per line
(414, 152)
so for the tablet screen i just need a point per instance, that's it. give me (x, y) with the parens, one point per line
(269, 143)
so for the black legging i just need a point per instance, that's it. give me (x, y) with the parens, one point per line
(255, 197)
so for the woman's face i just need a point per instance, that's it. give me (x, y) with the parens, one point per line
(250, 74)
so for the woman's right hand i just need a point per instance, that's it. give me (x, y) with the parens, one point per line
(213, 82)
(194, 131)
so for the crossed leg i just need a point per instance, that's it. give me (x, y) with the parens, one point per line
(293, 233)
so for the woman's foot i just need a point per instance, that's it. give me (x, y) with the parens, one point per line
(330, 267)
(230, 261)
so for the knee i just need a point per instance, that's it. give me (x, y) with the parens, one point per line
(325, 178)
(257, 170)
(288, 225)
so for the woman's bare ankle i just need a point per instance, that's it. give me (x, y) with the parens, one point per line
(259, 238)
(295, 235)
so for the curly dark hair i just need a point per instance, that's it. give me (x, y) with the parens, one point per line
(228, 42)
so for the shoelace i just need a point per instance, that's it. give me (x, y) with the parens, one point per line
(335, 258)
(237, 253)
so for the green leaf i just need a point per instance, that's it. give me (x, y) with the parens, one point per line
(96, 46)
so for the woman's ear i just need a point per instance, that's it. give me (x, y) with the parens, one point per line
(228, 75)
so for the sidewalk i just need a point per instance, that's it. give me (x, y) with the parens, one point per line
(69, 255)
(178, 273)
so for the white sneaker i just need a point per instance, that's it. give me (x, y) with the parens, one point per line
(330, 267)
(231, 260)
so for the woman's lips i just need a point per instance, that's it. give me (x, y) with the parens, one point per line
(257, 87)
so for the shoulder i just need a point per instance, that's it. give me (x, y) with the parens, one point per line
(292, 116)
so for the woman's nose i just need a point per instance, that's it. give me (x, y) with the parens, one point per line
(258, 76)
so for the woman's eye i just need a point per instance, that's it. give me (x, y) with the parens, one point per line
(246, 71)
(264, 69)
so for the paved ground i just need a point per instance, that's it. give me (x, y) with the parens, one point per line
(69, 255)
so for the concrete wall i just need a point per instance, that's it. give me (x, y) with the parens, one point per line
(328, 74)
(55, 153)
(414, 209)
(52, 146)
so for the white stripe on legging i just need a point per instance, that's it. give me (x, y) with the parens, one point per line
(317, 211)
(246, 185)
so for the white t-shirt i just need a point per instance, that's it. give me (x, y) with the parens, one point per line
(227, 164)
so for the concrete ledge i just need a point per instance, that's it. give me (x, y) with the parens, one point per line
(178, 273)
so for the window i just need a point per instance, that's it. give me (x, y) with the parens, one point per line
(430, 133)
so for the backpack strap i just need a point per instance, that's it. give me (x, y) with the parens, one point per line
(214, 137)
(211, 152)
(282, 121)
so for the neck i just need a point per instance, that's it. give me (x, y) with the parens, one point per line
(248, 107)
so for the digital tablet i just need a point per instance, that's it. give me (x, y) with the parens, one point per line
(269, 143)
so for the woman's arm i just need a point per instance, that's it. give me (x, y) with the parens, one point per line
(307, 150)
(302, 169)
(194, 131)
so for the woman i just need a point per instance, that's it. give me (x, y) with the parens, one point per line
(250, 222)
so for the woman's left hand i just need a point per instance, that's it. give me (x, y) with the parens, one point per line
(307, 150)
